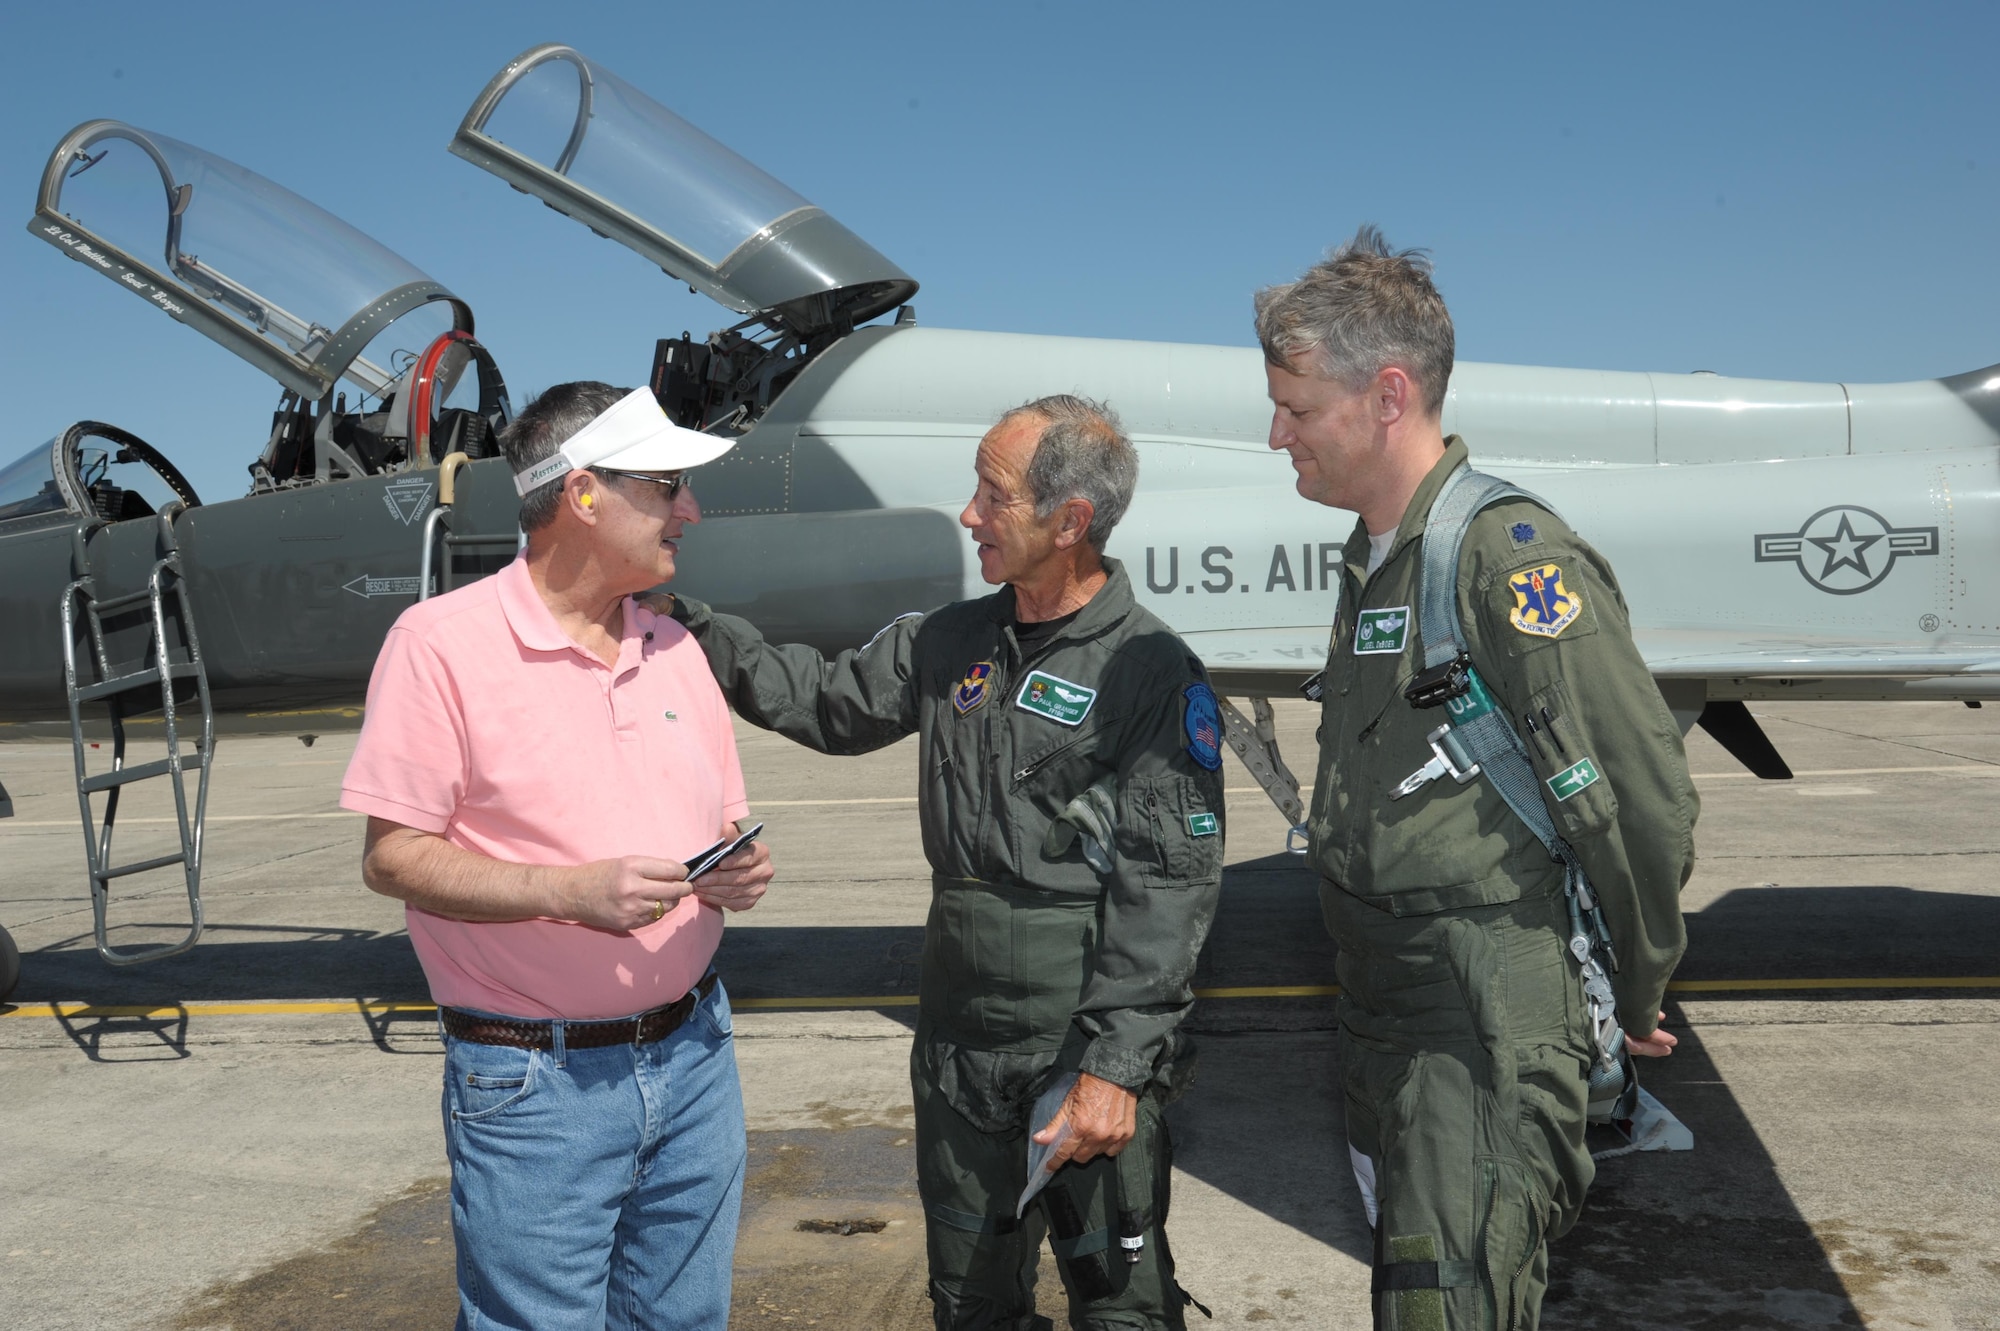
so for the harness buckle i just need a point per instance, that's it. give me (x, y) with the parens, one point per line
(1452, 760)
(1441, 683)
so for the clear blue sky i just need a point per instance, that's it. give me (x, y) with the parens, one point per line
(1781, 190)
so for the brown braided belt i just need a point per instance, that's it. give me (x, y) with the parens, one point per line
(642, 1029)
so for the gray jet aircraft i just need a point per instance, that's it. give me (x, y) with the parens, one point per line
(1775, 539)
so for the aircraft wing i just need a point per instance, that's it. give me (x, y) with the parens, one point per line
(1277, 660)
(1726, 653)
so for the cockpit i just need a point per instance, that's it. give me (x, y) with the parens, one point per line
(558, 125)
(370, 353)
(92, 470)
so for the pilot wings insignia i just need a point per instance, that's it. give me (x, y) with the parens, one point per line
(1543, 607)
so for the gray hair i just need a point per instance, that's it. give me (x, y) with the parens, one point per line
(545, 425)
(1361, 310)
(1083, 454)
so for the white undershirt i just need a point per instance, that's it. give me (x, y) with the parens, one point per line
(1378, 549)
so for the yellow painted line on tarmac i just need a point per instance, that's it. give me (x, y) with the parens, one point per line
(1959, 769)
(1272, 991)
(363, 1007)
(1901, 982)
(877, 1000)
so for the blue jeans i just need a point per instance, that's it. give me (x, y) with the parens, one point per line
(597, 1188)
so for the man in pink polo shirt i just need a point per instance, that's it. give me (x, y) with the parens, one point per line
(541, 755)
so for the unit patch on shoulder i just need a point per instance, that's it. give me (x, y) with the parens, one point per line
(1203, 720)
(1523, 533)
(1057, 699)
(1202, 824)
(1543, 607)
(972, 689)
(1381, 632)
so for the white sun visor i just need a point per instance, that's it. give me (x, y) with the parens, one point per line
(632, 434)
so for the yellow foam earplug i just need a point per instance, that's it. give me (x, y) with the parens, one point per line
(585, 500)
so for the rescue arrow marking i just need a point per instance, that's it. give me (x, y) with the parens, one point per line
(366, 587)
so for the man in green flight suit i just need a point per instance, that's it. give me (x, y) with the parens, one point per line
(1071, 800)
(1466, 1038)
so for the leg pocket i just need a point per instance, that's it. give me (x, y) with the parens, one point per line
(484, 1081)
(715, 1013)
(1513, 1238)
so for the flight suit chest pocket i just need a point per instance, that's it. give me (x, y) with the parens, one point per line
(1575, 788)
(1167, 829)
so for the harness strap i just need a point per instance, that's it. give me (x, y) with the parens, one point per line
(1456, 1273)
(1491, 740)
(970, 1223)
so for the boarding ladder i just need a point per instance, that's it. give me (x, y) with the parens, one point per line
(130, 694)
(435, 561)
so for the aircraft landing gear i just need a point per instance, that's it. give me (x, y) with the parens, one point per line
(10, 965)
(1256, 743)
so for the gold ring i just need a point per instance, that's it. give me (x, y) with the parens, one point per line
(659, 911)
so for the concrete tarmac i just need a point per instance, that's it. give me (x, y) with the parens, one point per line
(247, 1136)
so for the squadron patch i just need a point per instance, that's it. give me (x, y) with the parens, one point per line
(1381, 632)
(1203, 720)
(972, 689)
(1059, 700)
(1543, 607)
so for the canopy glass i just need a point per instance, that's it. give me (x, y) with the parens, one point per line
(561, 126)
(276, 278)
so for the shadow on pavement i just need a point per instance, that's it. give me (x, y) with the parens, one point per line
(1842, 933)
(1698, 1240)
(233, 962)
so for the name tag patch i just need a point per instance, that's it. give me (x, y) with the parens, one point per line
(1058, 699)
(1578, 777)
(1381, 632)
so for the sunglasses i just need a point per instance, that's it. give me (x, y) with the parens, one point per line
(673, 482)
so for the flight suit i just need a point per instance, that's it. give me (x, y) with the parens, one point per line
(1034, 963)
(1465, 1038)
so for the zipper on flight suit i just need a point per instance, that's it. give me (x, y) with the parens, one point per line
(1046, 759)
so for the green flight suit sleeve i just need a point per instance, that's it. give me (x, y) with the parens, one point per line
(862, 700)
(1161, 895)
(1552, 636)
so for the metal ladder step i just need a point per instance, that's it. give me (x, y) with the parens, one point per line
(126, 683)
(141, 866)
(125, 776)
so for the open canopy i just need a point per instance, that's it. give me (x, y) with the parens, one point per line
(562, 127)
(278, 280)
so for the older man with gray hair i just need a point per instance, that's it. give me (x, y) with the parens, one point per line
(1069, 790)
